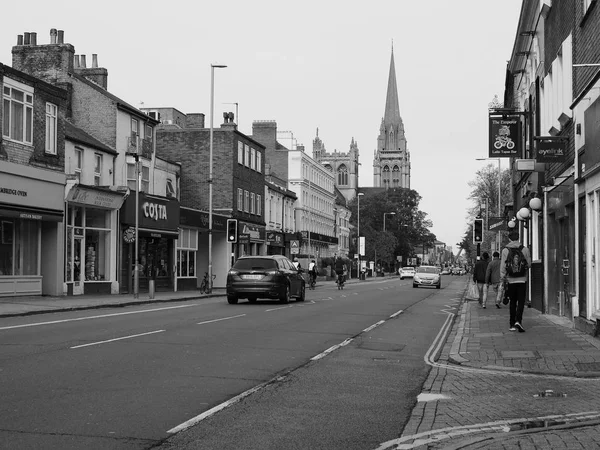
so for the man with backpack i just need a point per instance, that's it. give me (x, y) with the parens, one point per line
(479, 275)
(514, 270)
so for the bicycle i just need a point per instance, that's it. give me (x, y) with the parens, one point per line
(206, 286)
(341, 279)
(312, 280)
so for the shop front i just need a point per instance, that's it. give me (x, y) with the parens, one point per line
(275, 243)
(158, 229)
(192, 253)
(251, 239)
(31, 225)
(91, 239)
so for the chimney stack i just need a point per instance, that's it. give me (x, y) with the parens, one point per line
(76, 62)
(33, 38)
(61, 36)
(53, 37)
(27, 38)
(20, 39)
(94, 60)
(82, 60)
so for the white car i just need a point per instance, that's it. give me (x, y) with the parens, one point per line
(406, 272)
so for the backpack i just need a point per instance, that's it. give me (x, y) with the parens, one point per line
(516, 264)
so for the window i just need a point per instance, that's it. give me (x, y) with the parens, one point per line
(19, 247)
(145, 178)
(78, 163)
(247, 155)
(131, 176)
(135, 132)
(246, 200)
(240, 201)
(252, 158)
(252, 201)
(187, 246)
(258, 205)
(240, 152)
(18, 112)
(170, 189)
(51, 126)
(148, 133)
(259, 161)
(97, 169)
(342, 175)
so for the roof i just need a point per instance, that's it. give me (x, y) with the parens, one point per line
(78, 135)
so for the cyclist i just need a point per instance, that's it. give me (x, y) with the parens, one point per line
(297, 263)
(340, 270)
(312, 273)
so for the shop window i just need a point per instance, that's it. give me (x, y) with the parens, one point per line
(19, 247)
(51, 127)
(187, 246)
(18, 112)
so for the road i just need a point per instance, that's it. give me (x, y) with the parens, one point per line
(341, 370)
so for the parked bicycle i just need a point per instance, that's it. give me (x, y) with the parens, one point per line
(206, 285)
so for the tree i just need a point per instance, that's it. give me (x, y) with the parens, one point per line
(484, 190)
(406, 230)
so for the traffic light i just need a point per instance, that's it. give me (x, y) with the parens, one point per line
(232, 230)
(478, 231)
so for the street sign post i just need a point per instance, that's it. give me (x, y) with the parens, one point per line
(294, 247)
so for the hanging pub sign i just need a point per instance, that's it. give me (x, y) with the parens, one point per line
(505, 136)
(551, 149)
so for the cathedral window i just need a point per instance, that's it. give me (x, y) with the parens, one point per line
(342, 175)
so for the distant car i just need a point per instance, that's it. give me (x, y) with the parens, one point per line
(406, 272)
(427, 276)
(255, 277)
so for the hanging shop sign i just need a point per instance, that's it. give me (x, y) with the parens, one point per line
(551, 149)
(129, 235)
(505, 136)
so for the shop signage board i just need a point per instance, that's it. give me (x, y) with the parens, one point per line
(505, 136)
(551, 149)
(96, 197)
(155, 213)
(497, 224)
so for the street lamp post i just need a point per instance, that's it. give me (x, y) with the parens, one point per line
(499, 238)
(210, 173)
(358, 196)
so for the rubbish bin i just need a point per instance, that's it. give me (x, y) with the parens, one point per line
(151, 289)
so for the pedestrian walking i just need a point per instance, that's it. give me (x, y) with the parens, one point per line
(493, 280)
(479, 274)
(514, 266)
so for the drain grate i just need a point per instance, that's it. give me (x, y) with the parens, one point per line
(588, 367)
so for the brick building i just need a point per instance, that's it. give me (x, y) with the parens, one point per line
(238, 184)
(32, 183)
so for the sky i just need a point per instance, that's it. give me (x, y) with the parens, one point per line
(309, 65)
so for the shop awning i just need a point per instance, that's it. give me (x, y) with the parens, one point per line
(29, 213)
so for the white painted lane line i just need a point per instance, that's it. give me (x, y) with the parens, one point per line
(118, 339)
(331, 349)
(96, 317)
(281, 307)
(366, 330)
(396, 314)
(222, 318)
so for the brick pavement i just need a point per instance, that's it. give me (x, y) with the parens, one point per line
(502, 389)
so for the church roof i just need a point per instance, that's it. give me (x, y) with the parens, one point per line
(392, 108)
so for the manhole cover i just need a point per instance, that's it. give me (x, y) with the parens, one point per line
(593, 366)
(512, 354)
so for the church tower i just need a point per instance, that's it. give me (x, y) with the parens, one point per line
(391, 164)
(344, 166)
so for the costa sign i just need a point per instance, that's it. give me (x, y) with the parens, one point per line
(155, 211)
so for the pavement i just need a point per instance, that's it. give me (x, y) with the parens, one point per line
(478, 343)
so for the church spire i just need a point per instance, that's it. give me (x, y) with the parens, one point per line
(392, 108)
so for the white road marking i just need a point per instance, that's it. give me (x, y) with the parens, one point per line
(281, 307)
(96, 317)
(396, 314)
(118, 339)
(331, 349)
(366, 330)
(218, 320)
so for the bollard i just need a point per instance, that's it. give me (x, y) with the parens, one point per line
(151, 289)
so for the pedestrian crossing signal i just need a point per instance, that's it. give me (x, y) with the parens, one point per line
(232, 230)
(478, 231)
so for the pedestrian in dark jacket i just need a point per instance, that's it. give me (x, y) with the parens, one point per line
(492, 279)
(479, 274)
(516, 284)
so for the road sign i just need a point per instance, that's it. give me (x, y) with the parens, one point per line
(294, 247)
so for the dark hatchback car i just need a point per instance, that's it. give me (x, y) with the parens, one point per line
(254, 277)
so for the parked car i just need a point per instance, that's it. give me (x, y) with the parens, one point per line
(446, 271)
(427, 276)
(406, 272)
(255, 277)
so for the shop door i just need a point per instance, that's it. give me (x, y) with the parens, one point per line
(159, 262)
(78, 257)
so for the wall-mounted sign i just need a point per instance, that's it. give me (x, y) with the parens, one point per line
(275, 238)
(129, 235)
(551, 149)
(100, 198)
(155, 213)
(505, 136)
